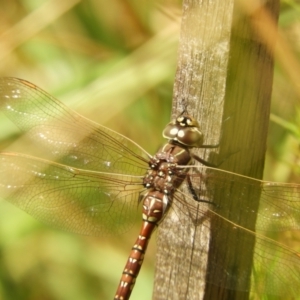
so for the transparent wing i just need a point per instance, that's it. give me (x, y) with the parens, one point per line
(226, 209)
(75, 200)
(234, 195)
(65, 136)
(275, 269)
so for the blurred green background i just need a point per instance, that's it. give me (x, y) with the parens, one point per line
(115, 64)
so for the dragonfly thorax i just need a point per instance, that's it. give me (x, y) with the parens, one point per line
(164, 175)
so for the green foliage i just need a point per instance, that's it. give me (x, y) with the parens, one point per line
(115, 64)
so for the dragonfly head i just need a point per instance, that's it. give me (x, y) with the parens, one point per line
(184, 130)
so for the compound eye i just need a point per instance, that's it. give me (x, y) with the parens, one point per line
(186, 121)
(184, 130)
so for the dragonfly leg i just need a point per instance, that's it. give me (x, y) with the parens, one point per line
(193, 192)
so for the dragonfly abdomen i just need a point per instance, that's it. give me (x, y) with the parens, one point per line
(154, 207)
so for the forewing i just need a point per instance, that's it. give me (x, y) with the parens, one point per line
(66, 137)
(233, 195)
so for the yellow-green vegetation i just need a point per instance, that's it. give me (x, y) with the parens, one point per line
(113, 62)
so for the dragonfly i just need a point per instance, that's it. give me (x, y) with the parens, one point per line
(85, 178)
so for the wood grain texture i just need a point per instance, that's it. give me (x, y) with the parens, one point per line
(224, 75)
